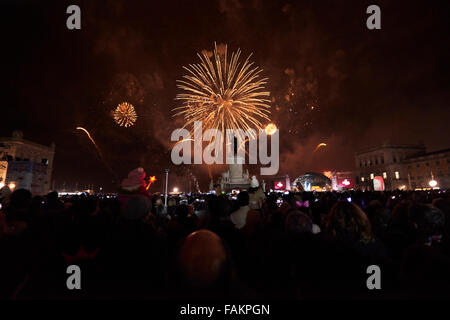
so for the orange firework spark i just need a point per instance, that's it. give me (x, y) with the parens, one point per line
(152, 180)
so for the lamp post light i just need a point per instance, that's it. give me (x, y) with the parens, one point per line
(165, 191)
(432, 183)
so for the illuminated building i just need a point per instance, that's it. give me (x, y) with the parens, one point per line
(402, 167)
(426, 167)
(25, 164)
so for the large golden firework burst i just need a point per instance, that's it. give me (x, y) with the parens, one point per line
(125, 115)
(223, 94)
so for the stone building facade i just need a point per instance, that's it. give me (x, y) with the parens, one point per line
(405, 167)
(25, 164)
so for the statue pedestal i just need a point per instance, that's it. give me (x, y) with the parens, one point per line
(235, 177)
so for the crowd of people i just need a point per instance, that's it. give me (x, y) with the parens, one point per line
(252, 245)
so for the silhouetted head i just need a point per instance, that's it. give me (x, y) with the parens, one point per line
(348, 222)
(52, 196)
(426, 219)
(137, 207)
(243, 198)
(298, 222)
(203, 262)
(21, 199)
(218, 207)
(19, 205)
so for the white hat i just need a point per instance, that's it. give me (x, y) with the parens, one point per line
(254, 183)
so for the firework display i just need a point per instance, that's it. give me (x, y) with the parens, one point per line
(125, 115)
(223, 93)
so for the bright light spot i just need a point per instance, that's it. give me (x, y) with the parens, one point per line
(279, 184)
(2, 185)
(433, 183)
(175, 189)
(12, 185)
(271, 128)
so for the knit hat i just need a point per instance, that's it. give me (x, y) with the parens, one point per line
(137, 207)
(254, 183)
(134, 180)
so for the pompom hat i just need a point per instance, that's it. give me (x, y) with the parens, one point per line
(135, 179)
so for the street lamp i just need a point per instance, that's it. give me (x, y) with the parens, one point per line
(165, 191)
(175, 190)
(433, 183)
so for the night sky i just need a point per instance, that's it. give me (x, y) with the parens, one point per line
(353, 87)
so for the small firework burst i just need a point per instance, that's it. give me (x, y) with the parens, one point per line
(125, 115)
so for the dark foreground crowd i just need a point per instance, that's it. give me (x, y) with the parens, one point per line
(301, 246)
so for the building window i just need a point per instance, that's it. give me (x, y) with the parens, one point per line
(394, 159)
(382, 158)
(371, 176)
(397, 175)
(384, 175)
(360, 164)
(44, 161)
(376, 160)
